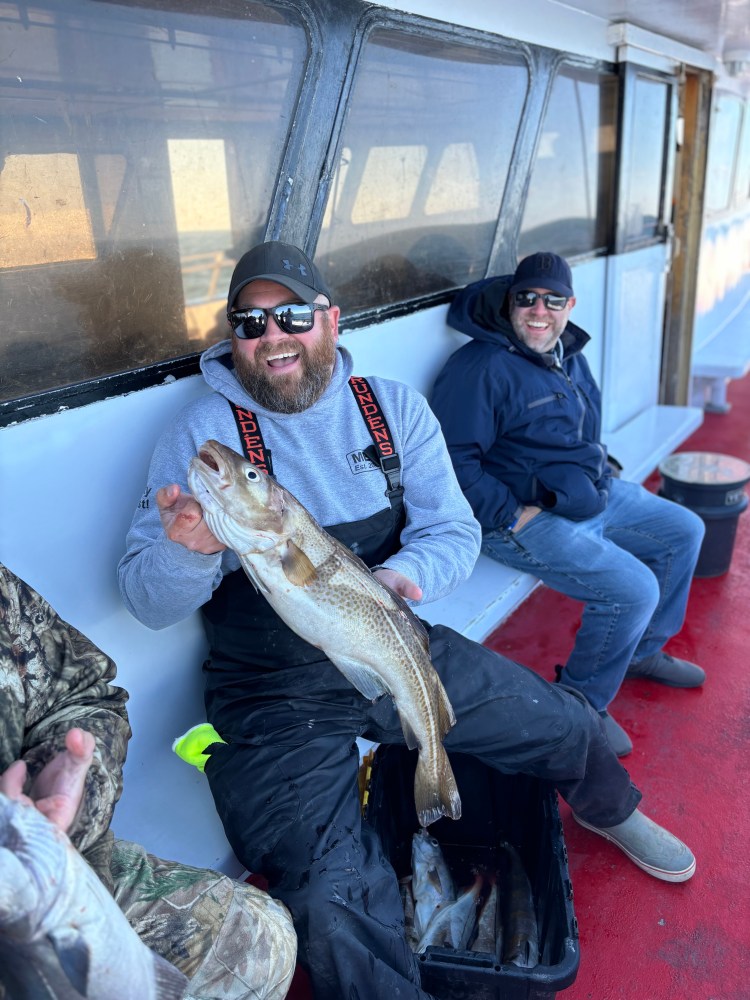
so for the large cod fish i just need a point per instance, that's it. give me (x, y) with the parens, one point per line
(331, 599)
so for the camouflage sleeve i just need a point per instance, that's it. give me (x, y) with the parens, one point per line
(53, 678)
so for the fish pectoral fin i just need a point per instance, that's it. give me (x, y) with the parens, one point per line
(73, 955)
(365, 680)
(297, 567)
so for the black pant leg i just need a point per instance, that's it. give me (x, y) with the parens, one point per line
(516, 721)
(293, 814)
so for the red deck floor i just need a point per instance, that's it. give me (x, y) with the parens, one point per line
(642, 939)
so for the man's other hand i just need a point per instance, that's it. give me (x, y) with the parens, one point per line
(183, 522)
(399, 584)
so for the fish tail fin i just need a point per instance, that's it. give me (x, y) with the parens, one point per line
(434, 799)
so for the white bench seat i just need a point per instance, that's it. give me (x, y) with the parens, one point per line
(724, 357)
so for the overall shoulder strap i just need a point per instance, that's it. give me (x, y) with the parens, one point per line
(251, 438)
(390, 463)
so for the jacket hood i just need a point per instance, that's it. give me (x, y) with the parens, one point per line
(481, 311)
(218, 370)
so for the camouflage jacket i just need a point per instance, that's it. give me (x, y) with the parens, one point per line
(53, 678)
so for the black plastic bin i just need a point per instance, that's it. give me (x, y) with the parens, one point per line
(713, 486)
(495, 807)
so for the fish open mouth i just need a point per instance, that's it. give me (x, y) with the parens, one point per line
(208, 459)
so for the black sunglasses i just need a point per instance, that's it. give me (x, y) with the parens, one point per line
(527, 300)
(249, 324)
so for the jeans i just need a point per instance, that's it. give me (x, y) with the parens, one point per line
(631, 565)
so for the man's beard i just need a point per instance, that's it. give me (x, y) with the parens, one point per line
(284, 394)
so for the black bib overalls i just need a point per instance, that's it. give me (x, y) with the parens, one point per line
(286, 789)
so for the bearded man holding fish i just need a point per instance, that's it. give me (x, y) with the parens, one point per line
(309, 650)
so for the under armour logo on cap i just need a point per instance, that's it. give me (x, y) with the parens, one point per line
(300, 267)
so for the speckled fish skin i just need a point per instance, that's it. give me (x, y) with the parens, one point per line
(432, 883)
(452, 926)
(329, 597)
(407, 901)
(62, 936)
(488, 938)
(520, 931)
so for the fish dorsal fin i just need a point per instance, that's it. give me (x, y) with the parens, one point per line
(402, 611)
(365, 680)
(416, 623)
(297, 567)
(446, 718)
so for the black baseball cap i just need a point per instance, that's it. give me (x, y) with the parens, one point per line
(282, 263)
(543, 270)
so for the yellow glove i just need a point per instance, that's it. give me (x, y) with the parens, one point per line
(192, 746)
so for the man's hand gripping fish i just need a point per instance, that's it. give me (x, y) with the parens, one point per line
(331, 599)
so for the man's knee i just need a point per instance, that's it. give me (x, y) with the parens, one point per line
(253, 946)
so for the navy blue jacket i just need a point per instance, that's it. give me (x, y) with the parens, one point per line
(521, 427)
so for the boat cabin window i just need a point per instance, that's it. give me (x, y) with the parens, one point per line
(726, 119)
(743, 165)
(139, 157)
(569, 207)
(646, 166)
(414, 212)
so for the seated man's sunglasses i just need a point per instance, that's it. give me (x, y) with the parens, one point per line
(293, 317)
(527, 300)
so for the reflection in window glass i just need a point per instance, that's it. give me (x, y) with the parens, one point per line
(456, 184)
(202, 216)
(140, 158)
(742, 187)
(726, 118)
(43, 211)
(416, 213)
(110, 174)
(569, 204)
(389, 183)
(646, 160)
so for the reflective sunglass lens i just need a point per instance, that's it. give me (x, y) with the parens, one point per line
(294, 318)
(555, 302)
(254, 324)
(527, 300)
(249, 324)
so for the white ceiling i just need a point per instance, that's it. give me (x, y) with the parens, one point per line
(714, 26)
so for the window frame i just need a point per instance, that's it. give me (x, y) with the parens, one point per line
(308, 162)
(630, 72)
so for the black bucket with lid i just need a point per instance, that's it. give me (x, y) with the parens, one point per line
(713, 486)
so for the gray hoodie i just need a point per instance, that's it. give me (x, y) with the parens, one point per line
(318, 456)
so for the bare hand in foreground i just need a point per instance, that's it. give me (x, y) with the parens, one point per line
(399, 584)
(182, 518)
(57, 791)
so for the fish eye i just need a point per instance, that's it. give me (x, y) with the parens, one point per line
(252, 475)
